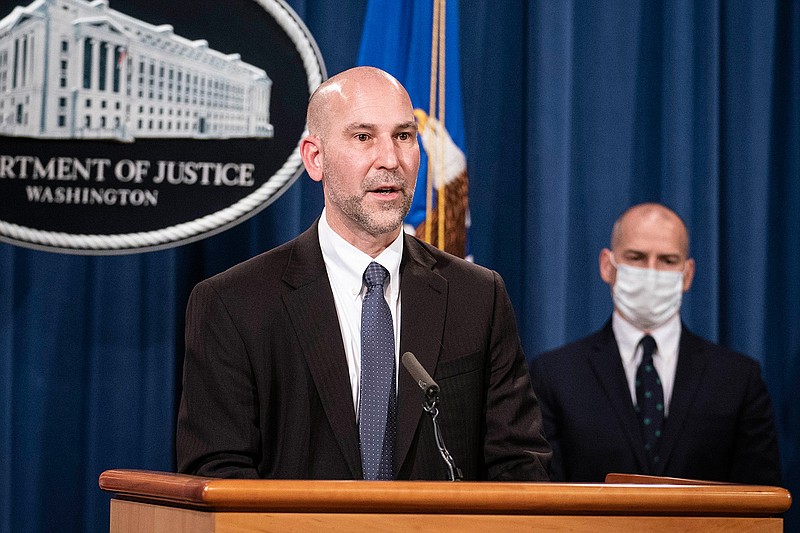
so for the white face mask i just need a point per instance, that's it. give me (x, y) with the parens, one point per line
(645, 296)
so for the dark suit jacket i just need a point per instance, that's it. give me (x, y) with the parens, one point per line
(266, 392)
(720, 424)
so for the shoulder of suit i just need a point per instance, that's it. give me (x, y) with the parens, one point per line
(572, 350)
(442, 261)
(266, 265)
(724, 355)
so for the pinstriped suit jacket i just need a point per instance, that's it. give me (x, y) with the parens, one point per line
(266, 392)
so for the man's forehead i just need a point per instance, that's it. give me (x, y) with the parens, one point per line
(652, 229)
(372, 112)
(664, 239)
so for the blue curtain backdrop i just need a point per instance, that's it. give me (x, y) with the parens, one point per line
(573, 111)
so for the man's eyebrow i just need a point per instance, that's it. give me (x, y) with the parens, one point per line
(368, 126)
(410, 125)
(355, 126)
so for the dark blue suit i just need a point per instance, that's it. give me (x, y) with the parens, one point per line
(720, 425)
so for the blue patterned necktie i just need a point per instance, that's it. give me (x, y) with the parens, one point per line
(649, 400)
(377, 425)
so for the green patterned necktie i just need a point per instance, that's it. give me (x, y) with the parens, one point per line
(649, 401)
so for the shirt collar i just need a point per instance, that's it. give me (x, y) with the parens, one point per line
(349, 263)
(667, 337)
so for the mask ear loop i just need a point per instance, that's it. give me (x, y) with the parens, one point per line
(613, 261)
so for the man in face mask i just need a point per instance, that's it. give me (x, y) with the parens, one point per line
(644, 395)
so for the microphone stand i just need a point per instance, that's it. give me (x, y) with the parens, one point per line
(431, 401)
(431, 391)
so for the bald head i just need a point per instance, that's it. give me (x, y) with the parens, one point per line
(648, 236)
(343, 87)
(362, 145)
(651, 217)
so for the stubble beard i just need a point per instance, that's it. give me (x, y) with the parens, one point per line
(375, 220)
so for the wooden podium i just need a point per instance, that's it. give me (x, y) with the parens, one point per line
(157, 502)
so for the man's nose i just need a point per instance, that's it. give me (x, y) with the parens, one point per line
(387, 154)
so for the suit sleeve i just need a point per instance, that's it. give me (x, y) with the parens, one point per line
(550, 418)
(756, 459)
(515, 446)
(217, 430)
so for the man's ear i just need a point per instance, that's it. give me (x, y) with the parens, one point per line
(311, 153)
(607, 270)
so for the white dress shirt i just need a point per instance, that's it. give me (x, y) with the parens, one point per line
(345, 265)
(665, 358)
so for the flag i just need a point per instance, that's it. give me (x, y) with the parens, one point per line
(417, 42)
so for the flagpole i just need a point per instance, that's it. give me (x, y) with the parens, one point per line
(442, 218)
(431, 114)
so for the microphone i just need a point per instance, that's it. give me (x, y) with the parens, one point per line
(431, 390)
(418, 372)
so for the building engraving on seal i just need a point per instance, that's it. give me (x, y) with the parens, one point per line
(74, 69)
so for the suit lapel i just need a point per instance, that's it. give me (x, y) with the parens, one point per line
(692, 360)
(313, 312)
(607, 366)
(423, 293)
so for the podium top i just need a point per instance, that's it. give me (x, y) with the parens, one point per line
(543, 498)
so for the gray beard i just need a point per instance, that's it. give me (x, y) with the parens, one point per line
(374, 222)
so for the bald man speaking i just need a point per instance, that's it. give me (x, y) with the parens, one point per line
(291, 367)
